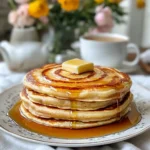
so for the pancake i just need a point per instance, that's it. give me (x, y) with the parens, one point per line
(68, 124)
(101, 84)
(84, 116)
(57, 98)
(64, 104)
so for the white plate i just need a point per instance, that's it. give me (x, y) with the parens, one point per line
(10, 96)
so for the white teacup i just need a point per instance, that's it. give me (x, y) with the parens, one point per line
(108, 50)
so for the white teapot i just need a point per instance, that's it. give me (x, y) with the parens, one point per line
(24, 56)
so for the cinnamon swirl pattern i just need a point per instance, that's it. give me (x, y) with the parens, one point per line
(58, 98)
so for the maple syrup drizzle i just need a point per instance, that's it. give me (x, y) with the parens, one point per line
(74, 105)
(118, 105)
(73, 124)
(131, 119)
(118, 109)
(73, 117)
(74, 113)
(120, 99)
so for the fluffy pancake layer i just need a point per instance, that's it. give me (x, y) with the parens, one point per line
(65, 104)
(84, 116)
(101, 84)
(67, 123)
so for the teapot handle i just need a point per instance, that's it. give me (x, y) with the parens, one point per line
(4, 53)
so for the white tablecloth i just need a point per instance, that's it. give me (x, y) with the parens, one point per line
(7, 142)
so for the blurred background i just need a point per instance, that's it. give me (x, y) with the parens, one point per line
(137, 22)
(60, 23)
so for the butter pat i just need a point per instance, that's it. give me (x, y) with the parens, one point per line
(77, 66)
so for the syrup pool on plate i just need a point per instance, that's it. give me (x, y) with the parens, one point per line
(129, 121)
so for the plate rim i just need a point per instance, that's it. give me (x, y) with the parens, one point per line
(90, 144)
(67, 144)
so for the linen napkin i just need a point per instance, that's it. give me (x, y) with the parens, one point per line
(7, 142)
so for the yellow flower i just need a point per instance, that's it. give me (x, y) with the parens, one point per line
(114, 1)
(38, 8)
(140, 3)
(69, 5)
(99, 1)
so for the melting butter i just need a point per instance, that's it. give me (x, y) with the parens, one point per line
(77, 66)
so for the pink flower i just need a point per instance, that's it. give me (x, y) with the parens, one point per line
(23, 17)
(18, 19)
(23, 10)
(104, 20)
(100, 19)
(108, 11)
(21, 1)
(23, 21)
(12, 17)
(44, 20)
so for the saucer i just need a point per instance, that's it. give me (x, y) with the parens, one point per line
(128, 69)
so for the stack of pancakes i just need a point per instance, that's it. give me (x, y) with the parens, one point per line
(57, 98)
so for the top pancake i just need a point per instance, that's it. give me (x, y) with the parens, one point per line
(100, 84)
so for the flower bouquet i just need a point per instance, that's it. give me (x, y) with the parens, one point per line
(28, 13)
(27, 17)
(72, 18)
